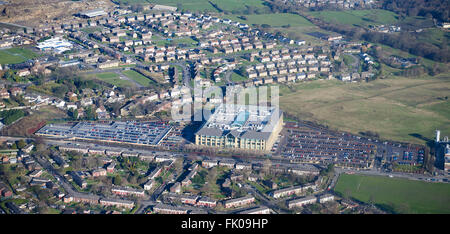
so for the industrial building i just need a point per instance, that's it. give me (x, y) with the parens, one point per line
(93, 13)
(241, 127)
(163, 8)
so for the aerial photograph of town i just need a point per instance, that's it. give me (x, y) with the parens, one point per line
(224, 107)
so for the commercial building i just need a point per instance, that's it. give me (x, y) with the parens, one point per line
(139, 133)
(241, 127)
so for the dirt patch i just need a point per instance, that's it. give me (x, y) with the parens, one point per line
(38, 12)
(29, 124)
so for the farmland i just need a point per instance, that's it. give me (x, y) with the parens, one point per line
(390, 107)
(396, 195)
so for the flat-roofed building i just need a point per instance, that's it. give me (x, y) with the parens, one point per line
(163, 8)
(131, 132)
(93, 13)
(241, 127)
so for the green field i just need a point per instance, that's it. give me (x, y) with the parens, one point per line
(291, 25)
(435, 36)
(187, 41)
(358, 17)
(230, 5)
(16, 55)
(205, 5)
(397, 195)
(136, 76)
(274, 20)
(397, 108)
(237, 78)
(114, 79)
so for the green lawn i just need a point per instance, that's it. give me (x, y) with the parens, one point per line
(205, 5)
(177, 41)
(16, 55)
(237, 78)
(136, 76)
(274, 20)
(397, 195)
(358, 17)
(113, 79)
(91, 29)
(348, 59)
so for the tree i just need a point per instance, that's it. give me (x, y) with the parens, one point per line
(267, 166)
(21, 144)
(73, 113)
(117, 180)
(90, 113)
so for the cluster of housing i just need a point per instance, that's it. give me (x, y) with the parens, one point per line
(343, 4)
(287, 65)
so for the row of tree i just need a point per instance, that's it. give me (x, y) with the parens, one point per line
(438, 9)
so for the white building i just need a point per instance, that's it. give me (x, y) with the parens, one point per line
(57, 44)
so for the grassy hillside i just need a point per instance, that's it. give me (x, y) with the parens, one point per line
(397, 108)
